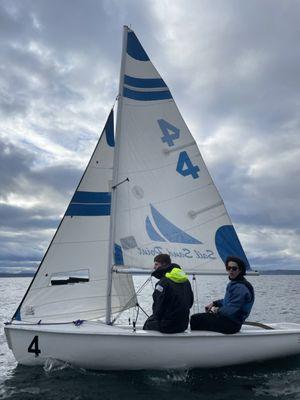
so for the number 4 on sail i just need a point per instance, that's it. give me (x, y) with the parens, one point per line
(146, 190)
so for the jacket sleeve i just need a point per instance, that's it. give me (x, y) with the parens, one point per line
(237, 298)
(218, 303)
(159, 296)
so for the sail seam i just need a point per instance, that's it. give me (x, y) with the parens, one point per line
(167, 200)
(183, 146)
(83, 241)
(132, 172)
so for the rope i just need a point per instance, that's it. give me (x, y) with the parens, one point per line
(258, 324)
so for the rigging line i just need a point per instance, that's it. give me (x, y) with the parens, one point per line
(143, 311)
(130, 300)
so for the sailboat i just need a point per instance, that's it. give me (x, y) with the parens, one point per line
(146, 190)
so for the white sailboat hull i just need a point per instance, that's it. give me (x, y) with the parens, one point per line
(102, 347)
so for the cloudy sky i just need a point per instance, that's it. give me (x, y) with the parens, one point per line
(233, 69)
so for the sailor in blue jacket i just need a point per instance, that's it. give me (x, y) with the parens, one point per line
(227, 315)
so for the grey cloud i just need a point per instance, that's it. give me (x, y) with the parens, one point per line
(14, 162)
(246, 67)
(264, 201)
(17, 218)
(62, 178)
(18, 164)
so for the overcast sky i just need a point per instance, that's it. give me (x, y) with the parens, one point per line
(233, 69)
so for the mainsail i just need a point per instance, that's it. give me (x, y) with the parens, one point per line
(72, 278)
(167, 202)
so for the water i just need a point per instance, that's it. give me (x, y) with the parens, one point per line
(277, 299)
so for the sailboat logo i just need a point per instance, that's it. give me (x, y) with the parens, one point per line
(168, 232)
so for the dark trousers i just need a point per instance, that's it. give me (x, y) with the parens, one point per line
(213, 322)
(151, 324)
(165, 326)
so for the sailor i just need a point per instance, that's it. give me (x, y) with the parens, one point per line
(172, 297)
(227, 315)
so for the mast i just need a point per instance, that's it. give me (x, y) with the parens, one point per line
(114, 182)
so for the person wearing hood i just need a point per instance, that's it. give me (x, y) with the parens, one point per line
(227, 315)
(172, 297)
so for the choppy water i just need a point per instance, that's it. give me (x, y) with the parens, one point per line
(277, 299)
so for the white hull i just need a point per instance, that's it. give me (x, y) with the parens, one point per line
(98, 346)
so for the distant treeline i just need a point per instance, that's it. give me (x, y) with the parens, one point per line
(280, 272)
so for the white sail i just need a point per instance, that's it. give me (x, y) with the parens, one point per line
(167, 202)
(72, 278)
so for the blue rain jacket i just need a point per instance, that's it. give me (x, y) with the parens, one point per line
(238, 301)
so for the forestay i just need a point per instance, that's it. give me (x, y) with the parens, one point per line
(72, 278)
(167, 202)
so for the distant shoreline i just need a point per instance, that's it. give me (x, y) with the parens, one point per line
(280, 272)
(261, 272)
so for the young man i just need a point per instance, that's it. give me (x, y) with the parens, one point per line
(227, 315)
(172, 297)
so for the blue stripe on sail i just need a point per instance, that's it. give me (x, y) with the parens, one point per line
(146, 96)
(91, 197)
(88, 209)
(228, 244)
(170, 231)
(118, 255)
(135, 49)
(144, 83)
(153, 235)
(109, 130)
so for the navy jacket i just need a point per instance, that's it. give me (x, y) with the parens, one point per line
(238, 301)
(172, 300)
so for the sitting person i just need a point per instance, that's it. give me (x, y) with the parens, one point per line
(172, 297)
(227, 315)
